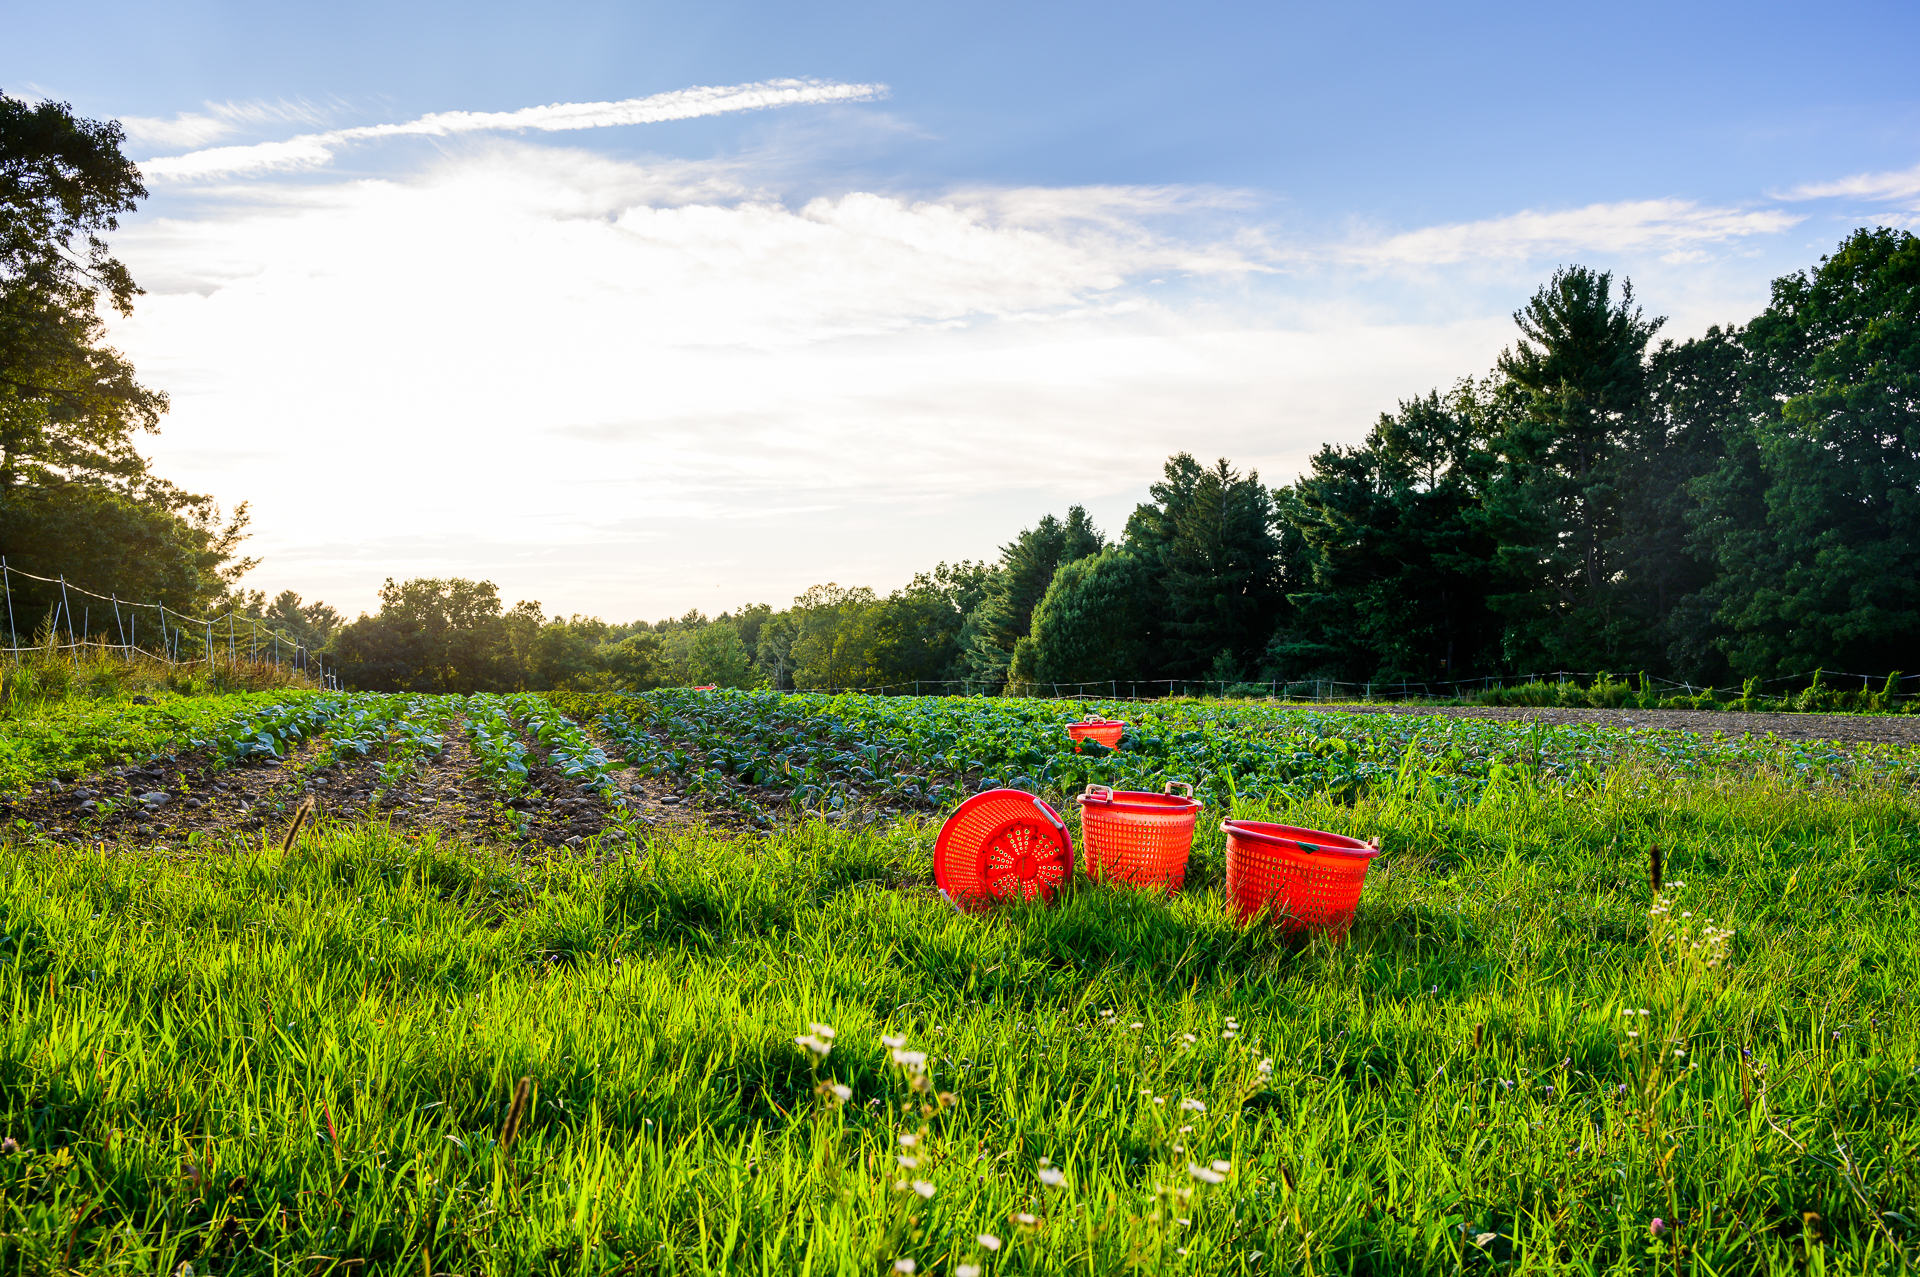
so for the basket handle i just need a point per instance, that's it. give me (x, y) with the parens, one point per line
(1097, 793)
(1188, 789)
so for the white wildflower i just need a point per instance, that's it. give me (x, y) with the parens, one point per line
(923, 1188)
(989, 1241)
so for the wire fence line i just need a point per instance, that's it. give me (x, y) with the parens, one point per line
(247, 637)
(259, 641)
(1317, 689)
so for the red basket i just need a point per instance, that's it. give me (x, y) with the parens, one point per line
(1304, 879)
(1138, 838)
(1004, 844)
(1105, 730)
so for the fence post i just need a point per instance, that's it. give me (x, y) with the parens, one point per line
(13, 638)
(209, 645)
(69, 609)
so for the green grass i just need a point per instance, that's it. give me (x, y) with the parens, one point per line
(263, 1062)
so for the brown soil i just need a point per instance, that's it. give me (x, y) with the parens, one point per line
(443, 792)
(1857, 729)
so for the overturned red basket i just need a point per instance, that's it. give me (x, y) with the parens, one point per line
(1105, 730)
(1002, 845)
(1138, 838)
(1302, 879)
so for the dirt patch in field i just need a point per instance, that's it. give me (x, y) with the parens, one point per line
(1853, 729)
(170, 800)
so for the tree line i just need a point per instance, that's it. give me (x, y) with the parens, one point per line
(1738, 505)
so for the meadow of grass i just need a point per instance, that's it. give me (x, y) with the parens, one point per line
(259, 1060)
(52, 673)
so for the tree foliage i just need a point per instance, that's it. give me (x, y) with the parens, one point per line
(69, 404)
(1813, 518)
(76, 499)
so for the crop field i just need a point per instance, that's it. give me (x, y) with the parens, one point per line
(342, 983)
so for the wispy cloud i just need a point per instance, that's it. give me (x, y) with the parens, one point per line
(1900, 185)
(217, 120)
(1639, 226)
(313, 149)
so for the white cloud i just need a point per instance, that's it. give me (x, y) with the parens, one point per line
(1657, 226)
(314, 149)
(1900, 185)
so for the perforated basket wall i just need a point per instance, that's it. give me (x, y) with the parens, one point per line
(1302, 880)
(1003, 845)
(1138, 839)
(1107, 732)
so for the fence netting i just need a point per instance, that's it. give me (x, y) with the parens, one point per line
(170, 635)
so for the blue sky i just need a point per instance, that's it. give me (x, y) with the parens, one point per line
(971, 264)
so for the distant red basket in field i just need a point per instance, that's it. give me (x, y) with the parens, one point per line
(1136, 837)
(1105, 730)
(1303, 879)
(706, 687)
(1002, 845)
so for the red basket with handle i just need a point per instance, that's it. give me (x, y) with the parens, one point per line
(1138, 838)
(1304, 880)
(1003, 845)
(1105, 730)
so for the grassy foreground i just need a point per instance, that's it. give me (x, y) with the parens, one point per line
(306, 1062)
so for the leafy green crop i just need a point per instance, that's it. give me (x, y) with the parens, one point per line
(270, 728)
(502, 757)
(569, 748)
(823, 749)
(71, 739)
